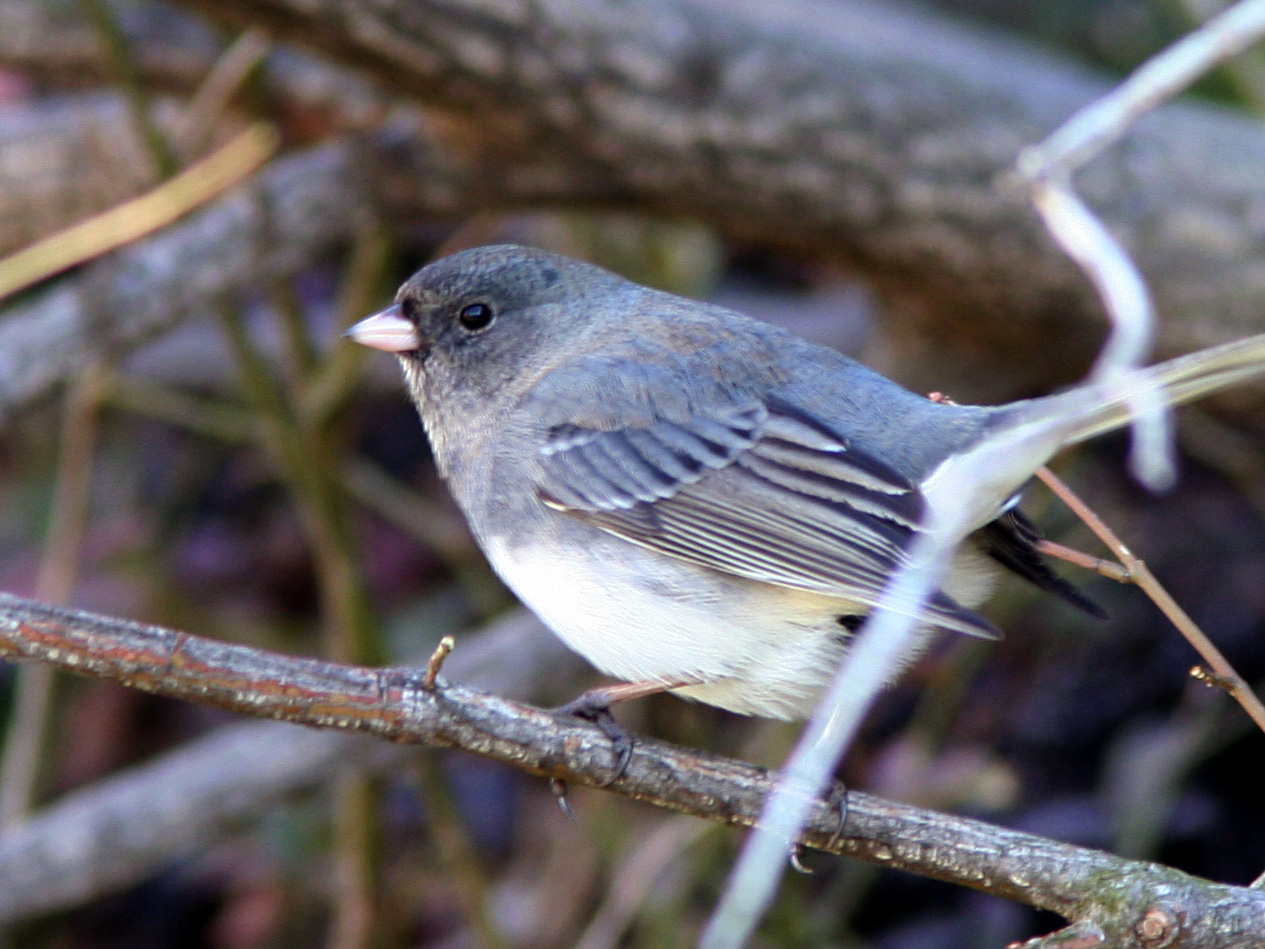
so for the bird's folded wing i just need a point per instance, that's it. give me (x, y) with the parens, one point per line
(759, 490)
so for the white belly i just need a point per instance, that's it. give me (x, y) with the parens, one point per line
(640, 616)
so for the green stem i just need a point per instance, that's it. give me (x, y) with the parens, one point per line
(307, 465)
(356, 846)
(458, 855)
(24, 746)
(301, 353)
(303, 456)
(434, 527)
(128, 75)
(329, 387)
(202, 416)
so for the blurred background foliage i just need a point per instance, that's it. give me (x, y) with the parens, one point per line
(251, 477)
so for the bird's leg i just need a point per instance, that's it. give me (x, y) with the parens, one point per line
(595, 706)
(837, 798)
(795, 855)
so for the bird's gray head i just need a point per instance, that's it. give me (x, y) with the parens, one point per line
(474, 329)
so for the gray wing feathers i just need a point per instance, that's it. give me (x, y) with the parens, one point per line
(617, 469)
(750, 490)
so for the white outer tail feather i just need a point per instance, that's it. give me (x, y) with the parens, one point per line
(1182, 380)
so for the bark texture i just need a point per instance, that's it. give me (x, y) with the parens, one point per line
(877, 135)
(1130, 903)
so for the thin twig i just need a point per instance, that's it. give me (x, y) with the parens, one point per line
(128, 74)
(367, 266)
(229, 73)
(1106, 568)
(436, 661)
(1245, 73)
(202, 415)
(635, 879)
(1048, 169)
(356, 863)
(870, 663)
(458, 853)
(300, 458)
(1208, 677)
(1142, 576)
(1156, 81)
(438, 528)
(302, 451)
(1128, 302)
(59, 569)
(299, 351)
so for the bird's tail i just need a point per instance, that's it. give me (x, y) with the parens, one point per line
(1025, 435)
(1182, 379)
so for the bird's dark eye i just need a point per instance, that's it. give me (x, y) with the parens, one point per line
(476, 316)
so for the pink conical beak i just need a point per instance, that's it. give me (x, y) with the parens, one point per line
(387, 330)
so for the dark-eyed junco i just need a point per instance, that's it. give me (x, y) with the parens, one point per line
(699, 501)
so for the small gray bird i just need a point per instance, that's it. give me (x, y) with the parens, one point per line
(699, 502)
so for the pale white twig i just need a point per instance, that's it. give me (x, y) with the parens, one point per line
(877, 653)
(1156, 81)
(1088, 242)
(1049, 167)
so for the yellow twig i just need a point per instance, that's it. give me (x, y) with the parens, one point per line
(436, 660)
(25, 744)
(194, 186)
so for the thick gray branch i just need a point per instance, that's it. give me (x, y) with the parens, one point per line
(851, 128)
(863, 132)
(1116, 895)
(115, 832)
(295, 210)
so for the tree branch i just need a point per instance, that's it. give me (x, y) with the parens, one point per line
(296, 209)
(869, 133)
(1116, 895)
(56, 47)
(877, 133)
(115, 832)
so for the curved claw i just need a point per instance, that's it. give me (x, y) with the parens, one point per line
(795, 856)
(593, 707)
(559, 789)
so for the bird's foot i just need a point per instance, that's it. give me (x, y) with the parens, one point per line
(837, 798)
(595, 706)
